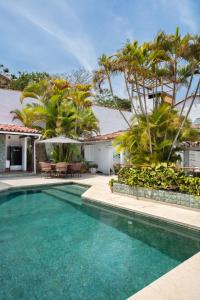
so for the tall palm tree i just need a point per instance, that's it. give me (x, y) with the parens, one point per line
(158, 68)
(105, 72)
(176, 58)
(57, 107)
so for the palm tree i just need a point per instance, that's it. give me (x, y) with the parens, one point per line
(158, 68)
(176, 58)
(105, 72)
(57, 107)
(163, 123)
(26, 116)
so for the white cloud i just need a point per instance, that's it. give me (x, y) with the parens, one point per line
(71, 36)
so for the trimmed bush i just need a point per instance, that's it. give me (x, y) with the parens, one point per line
(160, 177)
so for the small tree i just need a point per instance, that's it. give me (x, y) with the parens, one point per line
(79, 76)
(104, 98)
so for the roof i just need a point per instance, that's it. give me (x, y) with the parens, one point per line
(104, 137)
(196, 126)
(5, 77)
(17, 129)
(188, 98)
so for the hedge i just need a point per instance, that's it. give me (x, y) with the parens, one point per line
(160, 177)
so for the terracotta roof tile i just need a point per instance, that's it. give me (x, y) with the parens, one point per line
(196, 126)
(17, 128)
(104, 137)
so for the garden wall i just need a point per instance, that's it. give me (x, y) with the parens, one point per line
(158, 195)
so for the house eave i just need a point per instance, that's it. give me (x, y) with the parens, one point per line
(20, 133)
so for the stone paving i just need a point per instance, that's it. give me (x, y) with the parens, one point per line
(180, 283)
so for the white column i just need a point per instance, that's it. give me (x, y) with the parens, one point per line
(24, 155)
(121, 157)
(34, 157)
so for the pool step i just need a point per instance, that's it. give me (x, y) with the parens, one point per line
(73, 189)
(62, 195)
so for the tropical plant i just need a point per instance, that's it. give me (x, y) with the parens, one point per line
(58, 108)
(158, 70)
(66, 153)
(160, 176)
(111, 183)
(163, 122)
(105, 99)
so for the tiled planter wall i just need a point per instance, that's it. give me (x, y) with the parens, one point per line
(159, 195)
(2, 152)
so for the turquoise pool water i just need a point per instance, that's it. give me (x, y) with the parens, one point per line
(52, 246)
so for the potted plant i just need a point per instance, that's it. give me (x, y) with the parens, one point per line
(111, 182)
(93, 168)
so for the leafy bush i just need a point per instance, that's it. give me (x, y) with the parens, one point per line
(116, 168)
(160, 177)
(111, 182)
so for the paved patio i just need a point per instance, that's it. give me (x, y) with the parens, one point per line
(180, 283)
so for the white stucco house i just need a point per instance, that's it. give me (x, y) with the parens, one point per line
(99, 148)
(16, 141)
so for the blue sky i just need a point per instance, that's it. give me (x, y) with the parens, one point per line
(60, 35)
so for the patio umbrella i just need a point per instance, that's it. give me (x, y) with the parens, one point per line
(59, 140)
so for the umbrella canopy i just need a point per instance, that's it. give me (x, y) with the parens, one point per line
(60, 140)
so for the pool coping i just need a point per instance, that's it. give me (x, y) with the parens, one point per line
(181, 282)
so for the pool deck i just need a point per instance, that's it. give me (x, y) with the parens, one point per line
(180, 283)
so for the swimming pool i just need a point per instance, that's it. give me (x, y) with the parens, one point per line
(54, 246)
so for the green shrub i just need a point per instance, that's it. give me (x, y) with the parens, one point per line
(112, 181)
(160, 177)
(116, 168)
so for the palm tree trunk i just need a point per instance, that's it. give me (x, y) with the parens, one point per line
(184, 120)
(111, 90)
(185, 99)
(130, 96)
(174, 83)
(156, 94)
(139, 96)
(147, 120)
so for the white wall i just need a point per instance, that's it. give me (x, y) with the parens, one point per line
(102, 154)
(195, 111)
(194, 158)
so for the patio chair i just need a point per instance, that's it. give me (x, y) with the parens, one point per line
(75, 169)
(61, 169)
(45, 168)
